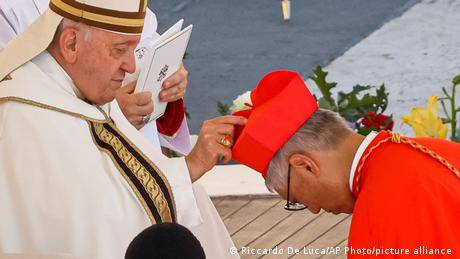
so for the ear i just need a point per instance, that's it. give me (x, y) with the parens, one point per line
(68, 45)
(304, 161)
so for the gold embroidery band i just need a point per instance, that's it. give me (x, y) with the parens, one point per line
(147, 181)
(125, 22)
(52, 108)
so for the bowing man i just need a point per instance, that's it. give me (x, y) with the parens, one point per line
(403, 192)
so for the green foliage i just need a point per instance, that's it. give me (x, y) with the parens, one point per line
(223, 108)
(326, 101)
(456, 80)
(451, 110)
(354, 105)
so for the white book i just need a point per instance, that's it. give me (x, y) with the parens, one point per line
(161, 61)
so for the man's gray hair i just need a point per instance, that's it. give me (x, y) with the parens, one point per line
(323, 131)
(67, 23)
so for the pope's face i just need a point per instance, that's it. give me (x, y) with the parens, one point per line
(103, 59)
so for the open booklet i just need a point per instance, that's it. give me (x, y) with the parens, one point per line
(161, 61)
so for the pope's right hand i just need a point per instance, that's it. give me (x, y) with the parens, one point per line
(210, 146)
(135, 106)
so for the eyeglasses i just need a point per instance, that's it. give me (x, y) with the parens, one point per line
(292, 205)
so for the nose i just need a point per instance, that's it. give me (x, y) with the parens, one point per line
(129, 63)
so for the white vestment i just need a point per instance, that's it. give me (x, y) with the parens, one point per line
(60, 194)
(17, 15)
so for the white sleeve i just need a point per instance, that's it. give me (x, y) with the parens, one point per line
(7, 31)
(149, 32)
(180, 142)
(17, 15)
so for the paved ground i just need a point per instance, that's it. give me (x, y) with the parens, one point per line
(414, 55)
(235, 42)
(262, 223)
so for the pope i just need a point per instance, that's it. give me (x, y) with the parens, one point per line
(77, 179)
(170, 130)
(404, 192)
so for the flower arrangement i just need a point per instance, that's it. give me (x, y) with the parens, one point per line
(377, 122)
(362, 109)
(364, 113)
(242, 102)
(425, 122)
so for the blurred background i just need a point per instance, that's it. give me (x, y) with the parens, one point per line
(234, 43)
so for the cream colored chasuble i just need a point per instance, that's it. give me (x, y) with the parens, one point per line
(72, 175)
(63, 193)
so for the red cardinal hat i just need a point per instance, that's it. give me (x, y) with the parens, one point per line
(281, 103)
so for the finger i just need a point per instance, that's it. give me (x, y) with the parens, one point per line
(223, 129)
(230, 119)
(169, 93)
(173, 93)
(142, 98)
(129, 88)
(173, 97)
(144, 110)
(176, 78)
(136, 121)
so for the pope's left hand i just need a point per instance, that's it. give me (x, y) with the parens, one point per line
(175, 86)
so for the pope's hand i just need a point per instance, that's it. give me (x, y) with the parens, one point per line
(135, 106)
(175, 86)
(210, 147)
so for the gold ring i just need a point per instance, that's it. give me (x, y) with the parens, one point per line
(226, 141)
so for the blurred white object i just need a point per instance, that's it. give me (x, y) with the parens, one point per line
(286, 6)
(225, 180)
(37, 256)
(232, 180)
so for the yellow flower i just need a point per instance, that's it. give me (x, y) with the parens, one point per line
(425, 122)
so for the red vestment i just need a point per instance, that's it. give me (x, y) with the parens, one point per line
(405, 199)
(170, 122)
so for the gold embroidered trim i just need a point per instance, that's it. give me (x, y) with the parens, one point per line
(52, 108)
(148, 181)
(103, 16)
(160, 173)
(398, 139)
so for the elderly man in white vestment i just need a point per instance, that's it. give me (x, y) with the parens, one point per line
(76, 178)
(170, 130)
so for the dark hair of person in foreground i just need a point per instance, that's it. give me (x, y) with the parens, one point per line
(165, 241)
